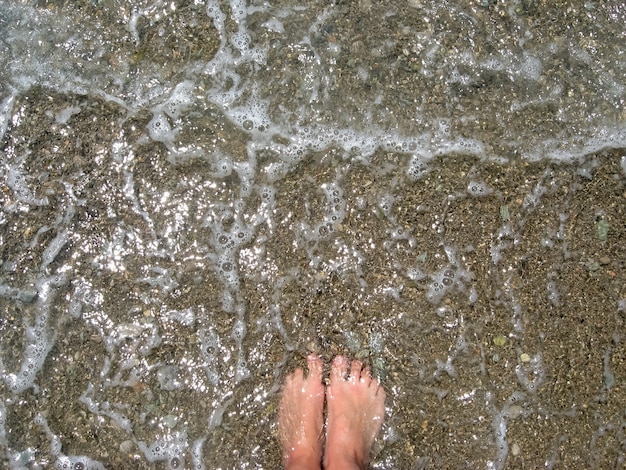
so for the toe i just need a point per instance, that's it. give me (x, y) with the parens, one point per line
(338, 369)
(297, 376)
(380, 392)
(355, 369)
(366, 376)
(315, 366)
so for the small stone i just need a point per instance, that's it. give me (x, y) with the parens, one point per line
(604, 260)
(593, 265)
(170, 421)
(515, 449)
(126, 446)
(603, 229)
(505, 214)
(515, 411)
(27, 295)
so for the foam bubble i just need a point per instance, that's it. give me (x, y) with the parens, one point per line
(386, 203)
(531, 374)
(81, 462)
(180, 100)
(418, 167)
(210, 348)
(444, 280)
(553, 293)
(239, 331)
(478, 189)
(16, 180)
(54, 248)
(531, 67)
(241, 372)
(196, 454)
(35, 354)
(170, 447)
(238, 10)
(167, 376)
(63, 116)
(252, 117)
(214, 11)
(160, 128)
(240, 40)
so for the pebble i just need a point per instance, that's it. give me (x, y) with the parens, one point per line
(515, 449)
(515, 411)
(27, 295)
(126, 446)
(169, 421)
(604, 260)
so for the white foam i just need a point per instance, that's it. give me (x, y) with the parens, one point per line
(275, 25)
(185, 317)
(63, 116)
(76, 462)
(239, 331)
(6, 108)
(167, 377)
(180, 100)
(16, 180)
(210, 344)
(242, 371)
(196, 454)
(3, 416)
(214, 11)
(53, 249)
(531, 375)
(235, 82)
(160, 128)
(63, 462)
(418, 166)
(478, 189)
(239, 10)
(39, 339)
(553, 291)
(240, 40)
(251, 117)
(170, 447)
(531, 67)
(443, 282)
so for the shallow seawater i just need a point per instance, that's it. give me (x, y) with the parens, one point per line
(197, 194)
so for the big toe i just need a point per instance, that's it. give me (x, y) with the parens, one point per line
(315, 366)
(338, 369)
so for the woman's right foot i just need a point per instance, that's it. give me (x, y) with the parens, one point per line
(356, 409)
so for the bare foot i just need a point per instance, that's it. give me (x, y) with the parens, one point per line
(356, 409)
(300, 418)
